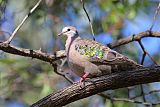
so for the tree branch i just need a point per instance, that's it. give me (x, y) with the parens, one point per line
(22, 22)
(90, 23)
(100, 84)
(134, 37)
(38, 54)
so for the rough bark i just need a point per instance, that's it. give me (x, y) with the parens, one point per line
(38, 54)
(100, 84)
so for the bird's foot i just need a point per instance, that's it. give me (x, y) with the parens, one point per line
(83, 78)
(80, 81)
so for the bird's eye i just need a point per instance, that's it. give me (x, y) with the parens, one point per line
(68, 29)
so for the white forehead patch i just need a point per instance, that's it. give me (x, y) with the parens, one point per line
(64, 29)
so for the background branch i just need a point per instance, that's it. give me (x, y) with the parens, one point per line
(125, 99)
(144, 54)
(155, 16)
(90, 23)
(22, 22)
(134, 37)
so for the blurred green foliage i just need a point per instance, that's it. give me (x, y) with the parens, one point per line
(28, 80)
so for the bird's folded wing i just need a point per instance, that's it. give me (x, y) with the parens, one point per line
(100, 54)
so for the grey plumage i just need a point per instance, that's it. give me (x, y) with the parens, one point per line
(88, 58)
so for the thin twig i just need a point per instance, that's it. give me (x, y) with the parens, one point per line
(91, 27)
(142, 61)
(143, 57)
(125, 100)
(145, 52)
(142, 92)
(150, 92)
(55, 66)
(155, 16)
(129, 89)
(22, 22)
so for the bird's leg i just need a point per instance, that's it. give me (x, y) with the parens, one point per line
(84, 77)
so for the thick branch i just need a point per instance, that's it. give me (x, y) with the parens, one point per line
(100, 84)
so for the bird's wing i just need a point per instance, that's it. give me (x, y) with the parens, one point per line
(100, 54)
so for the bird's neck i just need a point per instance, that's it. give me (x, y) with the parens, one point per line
(70, 41)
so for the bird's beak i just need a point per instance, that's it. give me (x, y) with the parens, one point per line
(60, 34)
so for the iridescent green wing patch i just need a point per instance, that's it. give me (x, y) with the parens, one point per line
(100, 53)
(90, 52)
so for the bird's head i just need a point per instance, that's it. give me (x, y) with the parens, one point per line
(69, 31)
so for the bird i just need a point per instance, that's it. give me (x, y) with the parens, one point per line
(88, 58)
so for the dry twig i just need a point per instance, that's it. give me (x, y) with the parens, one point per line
(150, 92)
(22, 22)
(125, 100)
(155, 16)
(90, 23)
